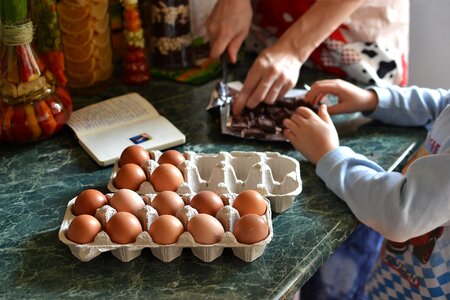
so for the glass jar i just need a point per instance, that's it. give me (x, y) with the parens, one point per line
(85, 33)
(135, 69)
(171, 35)
(31, 106)
(47, 38)
(116, 24)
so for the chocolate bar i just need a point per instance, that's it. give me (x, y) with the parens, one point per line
(264, 122)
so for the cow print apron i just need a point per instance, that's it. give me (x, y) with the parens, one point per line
(371, 47)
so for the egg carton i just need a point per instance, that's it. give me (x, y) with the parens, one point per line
(273, 175)
(166, 253)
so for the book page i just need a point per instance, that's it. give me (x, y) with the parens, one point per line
(153, 133)
(111, 113)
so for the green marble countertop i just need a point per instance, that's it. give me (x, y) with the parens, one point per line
(37, 181)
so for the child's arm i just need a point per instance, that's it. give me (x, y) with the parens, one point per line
(351, 97)
(398, 206)
(412, 106)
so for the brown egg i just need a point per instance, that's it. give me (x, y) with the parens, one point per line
(83, 229)
(123, 228)
(167, 203)
(129, 176)
(166, 177)
(134, 154)
(250, 202)
(205, 229)
(172, 157)
(206, 202)
(126, 200)
(250, 229)
(88, 201)
(166, 230)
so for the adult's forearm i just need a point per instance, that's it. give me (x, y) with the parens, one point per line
(311, 29)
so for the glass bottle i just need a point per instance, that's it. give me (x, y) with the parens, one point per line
(47, 38)
(135, 69)
(85, 33)
(171, 35)
(116, 23)
(31, 108)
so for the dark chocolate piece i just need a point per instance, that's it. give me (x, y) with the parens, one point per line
(258, 109)
(289, 103)
(307, 104)
(272, 109)
(293, 103)
(267, 125)
(253, 133)
(239, 122)
(280, 115)
(252, 120)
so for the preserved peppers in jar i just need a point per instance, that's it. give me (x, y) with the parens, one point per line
(48, 38)
(135, 70)
(171, 35)
(31, 107)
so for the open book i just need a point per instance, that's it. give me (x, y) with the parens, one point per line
(106, 128)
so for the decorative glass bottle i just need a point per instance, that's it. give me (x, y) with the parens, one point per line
(31, 108)
(85, 33)
(135, 70)
(47, 38)
(171, 35)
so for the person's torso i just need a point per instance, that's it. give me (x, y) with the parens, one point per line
(420, 267)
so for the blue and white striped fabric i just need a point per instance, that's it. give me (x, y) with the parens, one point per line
(404, 276)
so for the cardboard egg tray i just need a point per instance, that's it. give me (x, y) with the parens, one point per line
(275, 176)
(166, 253)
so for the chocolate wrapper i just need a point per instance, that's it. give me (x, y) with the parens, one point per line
(264, 122)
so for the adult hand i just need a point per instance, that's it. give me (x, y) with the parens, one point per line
(313, 135)
(274, 72)
(228, 26)
(351, 98)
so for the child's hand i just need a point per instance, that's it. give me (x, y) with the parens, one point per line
(228, 26)
(351, 97)
(312, 135)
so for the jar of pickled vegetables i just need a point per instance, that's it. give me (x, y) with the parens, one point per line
(135, 69)
(47, 38)
(32, 107)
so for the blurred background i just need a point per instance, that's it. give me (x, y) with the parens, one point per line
(429, 56)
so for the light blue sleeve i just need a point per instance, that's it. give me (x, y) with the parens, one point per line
(397, 206)
(409, 106)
